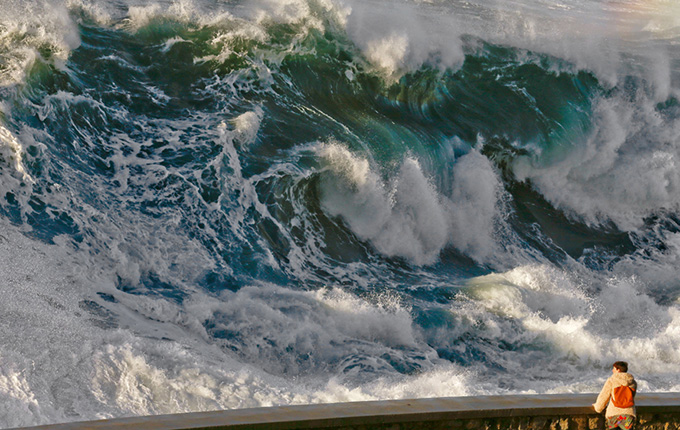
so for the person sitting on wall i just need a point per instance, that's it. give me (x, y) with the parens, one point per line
(619, 391)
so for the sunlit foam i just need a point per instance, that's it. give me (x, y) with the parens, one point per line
(8, 140)
(552, 306)
(60, 362)
(475, 207)
(403, 39)
(247, 125)
(623, 171)
(403, 218)
(407, 216)
(26, 30)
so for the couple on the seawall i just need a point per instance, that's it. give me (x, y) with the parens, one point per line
(618, 395)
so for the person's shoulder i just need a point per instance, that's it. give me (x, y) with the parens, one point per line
(622, 378)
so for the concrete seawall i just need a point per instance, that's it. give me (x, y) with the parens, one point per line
(656, 411)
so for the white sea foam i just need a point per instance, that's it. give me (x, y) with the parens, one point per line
(140, 15)
(65, 358)
(403, 218)
(300, 333)
(543, 304)
(655, 269)
(247, 125)
(402, 38)
(600, 37)
(284, 11)
(15, 180)
(625, 170)
(475, 207)
(71, 369)
(29, 29)
(42, 329)
(407, 216)
(12, 151)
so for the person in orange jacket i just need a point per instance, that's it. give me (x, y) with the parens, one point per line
(618, 395)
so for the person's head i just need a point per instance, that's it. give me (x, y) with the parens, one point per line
(621, 366)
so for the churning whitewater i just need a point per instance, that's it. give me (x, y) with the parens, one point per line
(211, 204)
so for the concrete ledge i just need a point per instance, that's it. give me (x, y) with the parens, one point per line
(456, 412)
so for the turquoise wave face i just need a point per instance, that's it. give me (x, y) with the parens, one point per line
(286, 196)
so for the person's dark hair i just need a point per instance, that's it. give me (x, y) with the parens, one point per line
(622, 366)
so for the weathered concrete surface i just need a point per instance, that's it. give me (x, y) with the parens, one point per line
(659, 411)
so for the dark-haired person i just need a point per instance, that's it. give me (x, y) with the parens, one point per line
(617, 395)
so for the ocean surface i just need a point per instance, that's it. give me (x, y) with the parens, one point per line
(220, 204)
